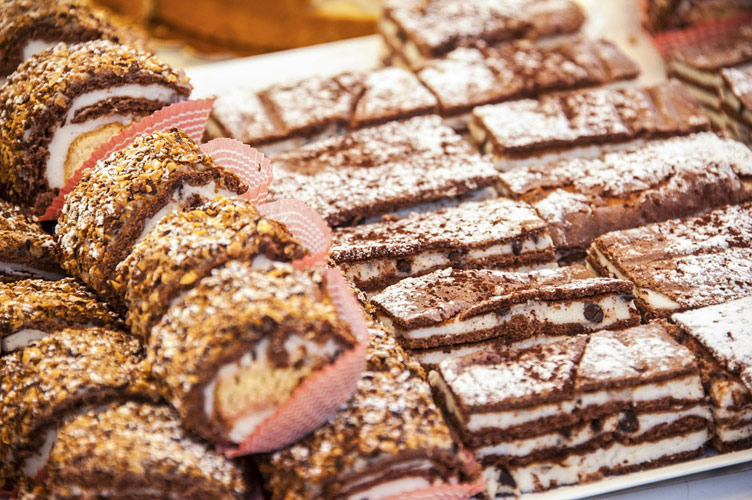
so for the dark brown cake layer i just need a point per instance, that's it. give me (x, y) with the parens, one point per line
(186, 246)
(377, 170)
(50, 306)
(732, 48)
(693, 262)
(390, 422)
(588, 117)
(25, 247)
(38, 96)
(661, 15)
(225, 316)
(148, 454)
(435, 27)
(471, 77)
(45, 382)
(582, 199)
(107, 211)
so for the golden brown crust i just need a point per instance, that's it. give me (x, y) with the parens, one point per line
(186, 246)
(22, 241)
(106, 212)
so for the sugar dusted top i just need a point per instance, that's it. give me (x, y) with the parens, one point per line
(740, 84)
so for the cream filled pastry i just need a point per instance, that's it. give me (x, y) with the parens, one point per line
(63, 103)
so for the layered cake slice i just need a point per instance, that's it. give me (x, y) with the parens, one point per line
(63, 103)
(418, 30)
(699, 66)
(389, 440)
(380, 169)
(498, 233)
(451, 313)
(120, 201)
(660, 15)
(184, 248)
(148, 455)
(578, 409)
(679, 177)
(285, 117)
(721, 338)
(467, 77)
(682, 263)
(233, 349)
(58, 377)
(26, 251)
(30, 27)
(736, 101)
(32, 309)
(582, 124)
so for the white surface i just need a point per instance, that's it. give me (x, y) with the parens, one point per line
(618, 21)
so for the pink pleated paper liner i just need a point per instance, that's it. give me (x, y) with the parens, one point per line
(188, 116)
(253, 168)
(305, 224)
(321, 394)
(446, 491)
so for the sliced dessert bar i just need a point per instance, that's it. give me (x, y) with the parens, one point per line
(736, 101)
(682, 263)
(498, 233)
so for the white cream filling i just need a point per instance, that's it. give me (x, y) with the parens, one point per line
(34, 464)
(392, 488)
(656, 300)
(704, 97)
(67, 132)
(557, 313)
(413, 465)
(743, 415)
(494, 488)
(648, 421)
(688, 388)
(35, 46)
(21, 339)
(296, 348)
(727, 435)
(553, 440)
(12, 268)
(179, 197)
(577, 468)
(362, 272)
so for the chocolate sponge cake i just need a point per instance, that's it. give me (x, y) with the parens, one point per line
(185, 246)
(119, 202)
(380, 169)
(32, 309)
(26, 251)
(145, 444)
(234, 348)
(389, 440)
(736, 101)
(682, 264)
(498, 233)
(55, 378)
(63, 103)
(31, 26)
(679, 177)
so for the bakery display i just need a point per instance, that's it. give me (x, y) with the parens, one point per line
(452, 313)
(736, 102)
(720, 336)
(233, 349)
(32, 26)
(578, 409)
(63, 103)
(671, 178)
(120, 202)
(682, 264)
(26, 251)
(361, 453)
(418, 30)
(60, 376)
(496, 233)
(285, 117)
(381, 169)
(32, 309)
(586, 123)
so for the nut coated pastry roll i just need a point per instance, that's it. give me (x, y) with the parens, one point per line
(63, 103)
(231, 352)
(26, 251)
(119, 201)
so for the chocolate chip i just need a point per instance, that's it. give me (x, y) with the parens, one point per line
(627, 298)
(502, 312)
(504, 478)
(403, 266)
(628, 422)
(455, 257)
(593, 312)
(516, 247)
(596, 425)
